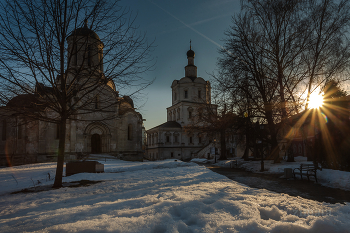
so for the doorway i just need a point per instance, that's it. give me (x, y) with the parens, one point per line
(95, 143)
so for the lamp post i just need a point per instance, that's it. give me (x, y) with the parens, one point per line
(214, 150)
(246, 151)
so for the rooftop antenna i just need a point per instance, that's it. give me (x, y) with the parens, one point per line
(190, 44)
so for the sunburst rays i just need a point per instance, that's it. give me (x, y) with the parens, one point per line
(314, 123)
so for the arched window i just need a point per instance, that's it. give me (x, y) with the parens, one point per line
(186, 94)
(130, 132)
(176, 139)
(96, 102)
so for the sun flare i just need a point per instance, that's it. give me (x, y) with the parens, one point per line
(316, 100)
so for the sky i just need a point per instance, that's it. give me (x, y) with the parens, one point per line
(172, 24)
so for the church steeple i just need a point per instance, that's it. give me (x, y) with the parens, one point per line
(190, 69)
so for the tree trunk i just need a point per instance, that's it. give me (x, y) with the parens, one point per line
(60, 156)
(275, 148)
(223, 145)
(273, 134)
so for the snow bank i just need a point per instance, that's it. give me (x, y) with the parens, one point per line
(326, 177)
(163, 196)
(198, 160)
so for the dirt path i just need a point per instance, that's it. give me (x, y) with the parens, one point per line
(273, 182)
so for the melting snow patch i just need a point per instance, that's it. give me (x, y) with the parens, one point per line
(267, 213)
(163, 196)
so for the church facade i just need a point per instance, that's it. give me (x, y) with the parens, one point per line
(170, 139)
(117, 130)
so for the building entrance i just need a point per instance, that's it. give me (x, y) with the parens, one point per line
(95, 143)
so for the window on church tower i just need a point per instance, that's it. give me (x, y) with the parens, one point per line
(175, 96)
(199, 94)
(176, 138)
(186, 94)
(191, 140)
(190, 114)
(199, 139)
(167, 139)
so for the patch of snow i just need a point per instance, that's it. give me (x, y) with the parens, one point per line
(198, 160)
(162, 196)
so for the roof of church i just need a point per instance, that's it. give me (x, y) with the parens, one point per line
(85, 31)
(24, 100)
(168, 124)
(129, 100)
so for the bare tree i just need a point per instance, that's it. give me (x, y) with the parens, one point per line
(272, 49)
(215, 124)
(62, 52)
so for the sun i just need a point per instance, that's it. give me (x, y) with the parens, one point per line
(316, 100)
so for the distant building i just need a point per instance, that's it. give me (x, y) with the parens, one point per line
(169, 140)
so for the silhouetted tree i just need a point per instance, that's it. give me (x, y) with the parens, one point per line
(214, 124)
(275, 51)
(37, 61)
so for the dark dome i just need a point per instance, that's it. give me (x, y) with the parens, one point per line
(190, 53)
(85, 31)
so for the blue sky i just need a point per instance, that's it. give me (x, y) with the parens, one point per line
(172, 24)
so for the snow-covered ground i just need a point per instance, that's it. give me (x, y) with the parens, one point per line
(327, 177)
(161, 196)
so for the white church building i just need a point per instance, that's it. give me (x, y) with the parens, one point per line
(109, 124)
(169, 140)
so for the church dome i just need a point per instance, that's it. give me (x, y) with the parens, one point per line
(190, 53)
(85, 31)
